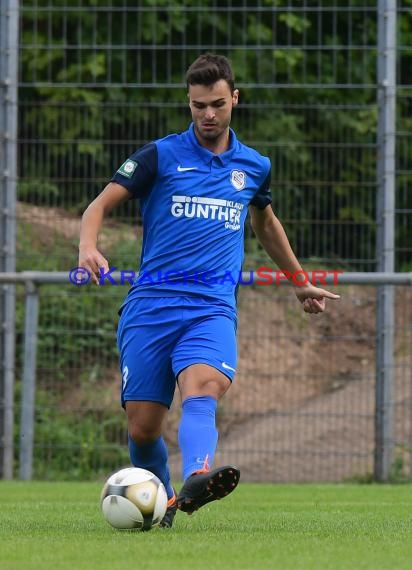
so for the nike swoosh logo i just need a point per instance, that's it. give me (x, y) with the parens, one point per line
(224, 365)
(186, 168)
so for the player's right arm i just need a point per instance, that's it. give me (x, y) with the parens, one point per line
(92, 220)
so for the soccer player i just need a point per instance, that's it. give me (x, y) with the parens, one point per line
(178, 321)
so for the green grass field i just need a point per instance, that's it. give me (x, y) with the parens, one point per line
(59, 526)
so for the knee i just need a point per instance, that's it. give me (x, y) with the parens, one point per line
(143, 428)
(208, 387)
(144, 421)
(202, 380)
(141, 434)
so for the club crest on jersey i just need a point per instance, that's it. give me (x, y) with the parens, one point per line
(238, 179)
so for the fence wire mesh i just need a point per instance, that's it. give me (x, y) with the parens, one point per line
(98, 81)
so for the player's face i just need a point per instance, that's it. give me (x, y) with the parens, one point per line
(211, 107)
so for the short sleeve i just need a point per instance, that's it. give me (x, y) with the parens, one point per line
(138, 173)
(263, 196)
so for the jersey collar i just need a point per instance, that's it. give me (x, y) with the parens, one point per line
(206, 155)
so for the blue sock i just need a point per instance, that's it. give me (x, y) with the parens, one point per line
(197, 434)
(152, 456)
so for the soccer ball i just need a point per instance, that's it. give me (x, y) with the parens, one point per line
(133, 499)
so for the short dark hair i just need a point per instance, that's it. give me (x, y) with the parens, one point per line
(209, 68)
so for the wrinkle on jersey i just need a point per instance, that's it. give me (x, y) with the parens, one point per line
(194, 205)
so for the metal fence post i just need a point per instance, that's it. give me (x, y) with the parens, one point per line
(385, 235)
(9, 33)
(29, 381)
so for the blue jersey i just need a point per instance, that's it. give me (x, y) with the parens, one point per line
(194, 205)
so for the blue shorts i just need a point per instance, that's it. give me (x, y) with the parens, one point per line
(158, 337)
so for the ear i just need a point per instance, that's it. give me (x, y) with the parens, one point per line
(235, 97)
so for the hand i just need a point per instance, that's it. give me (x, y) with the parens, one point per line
(91, 259)
(313, 298)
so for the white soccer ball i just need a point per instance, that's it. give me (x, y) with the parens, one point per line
(133, 499)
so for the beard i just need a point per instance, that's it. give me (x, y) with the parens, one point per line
(211, 134)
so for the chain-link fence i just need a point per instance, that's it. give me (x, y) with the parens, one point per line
(98, 80)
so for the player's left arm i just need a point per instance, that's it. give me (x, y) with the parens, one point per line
(273, 238)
